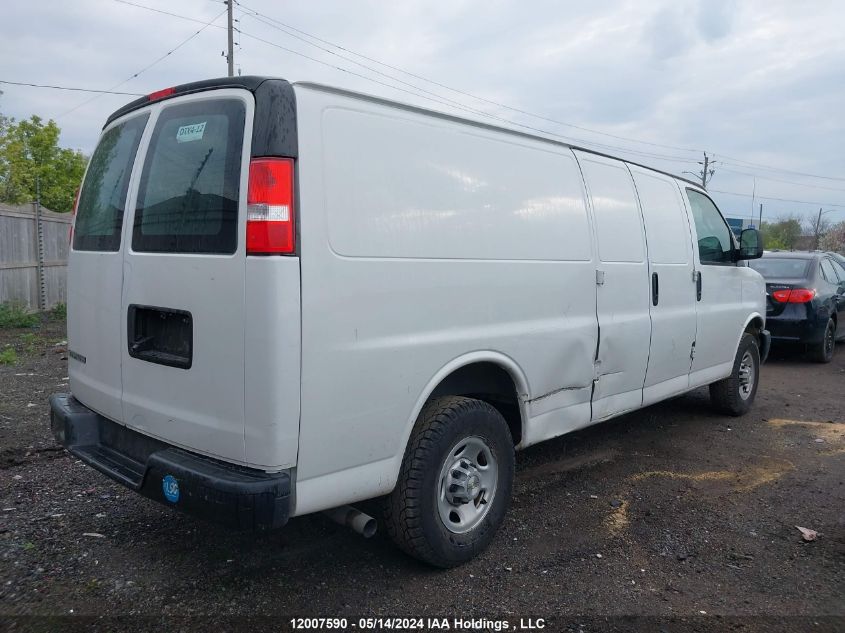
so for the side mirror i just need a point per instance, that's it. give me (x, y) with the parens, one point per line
(750, 245)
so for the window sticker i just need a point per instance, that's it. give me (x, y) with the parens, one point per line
(192, 132)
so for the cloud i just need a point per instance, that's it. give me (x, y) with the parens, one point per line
(715, 18)
(668, 32)
(756, 80)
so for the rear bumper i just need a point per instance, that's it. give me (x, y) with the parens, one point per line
(238, 497)
(796, 330)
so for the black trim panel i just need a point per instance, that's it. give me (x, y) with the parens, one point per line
(274, 129)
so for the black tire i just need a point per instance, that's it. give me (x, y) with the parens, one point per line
(728, 395)
(412, 511)
(823, 352)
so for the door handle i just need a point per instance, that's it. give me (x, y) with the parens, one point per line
(655, 289)
(698, 285)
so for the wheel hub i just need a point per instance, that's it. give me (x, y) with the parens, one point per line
(463, 484)
(746, 376)
(467, 484)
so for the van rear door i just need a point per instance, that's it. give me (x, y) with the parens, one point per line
(183, 266)
(95, 271)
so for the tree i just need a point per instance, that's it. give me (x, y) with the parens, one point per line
(818, 226)
(781, 235)
(30, 158)
(834, 239)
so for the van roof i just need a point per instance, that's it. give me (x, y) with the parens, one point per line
(252, 82)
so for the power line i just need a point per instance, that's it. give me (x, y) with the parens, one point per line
(435, 97)
(525, 112)
(173, 15)
(438, 98)
(759, 166)
(148, 66)
(747, 195)
(465, 108)
(787, 182)
(74, 89)
(281, 26)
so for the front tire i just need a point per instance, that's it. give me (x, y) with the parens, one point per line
(823, 352)
(735, 394)
(455, 484)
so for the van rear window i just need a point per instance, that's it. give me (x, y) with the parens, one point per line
(188, 194)
(99, 214)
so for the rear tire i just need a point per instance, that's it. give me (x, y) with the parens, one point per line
(823, 352)
(455, 484)
(735, 394)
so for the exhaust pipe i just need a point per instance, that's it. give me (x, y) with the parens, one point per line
(348, 516)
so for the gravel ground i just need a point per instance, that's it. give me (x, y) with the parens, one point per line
(671, 518)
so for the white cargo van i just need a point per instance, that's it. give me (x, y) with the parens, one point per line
(285, 298)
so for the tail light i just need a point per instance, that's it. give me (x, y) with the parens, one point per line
(270, 211)
(73, 215)
(795, 295)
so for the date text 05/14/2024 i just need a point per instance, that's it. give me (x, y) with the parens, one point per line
(419, 624)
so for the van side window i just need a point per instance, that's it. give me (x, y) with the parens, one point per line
(715, 241)
(99, 214)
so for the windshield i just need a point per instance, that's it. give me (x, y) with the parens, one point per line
(781, 267)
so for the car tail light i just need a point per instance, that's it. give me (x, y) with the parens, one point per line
(270, 210)
(795, 295)
(161, 94)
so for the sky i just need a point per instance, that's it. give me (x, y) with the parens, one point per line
(759, 85)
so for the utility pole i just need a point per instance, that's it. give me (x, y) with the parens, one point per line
(230, 58)
(818, 229)
(707, 171)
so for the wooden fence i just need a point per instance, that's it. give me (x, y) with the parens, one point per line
(33, 256)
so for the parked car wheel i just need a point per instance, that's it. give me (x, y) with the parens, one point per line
(823, 352)
(735, 394)
(455, 484)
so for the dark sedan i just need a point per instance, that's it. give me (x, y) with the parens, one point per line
(805, 300)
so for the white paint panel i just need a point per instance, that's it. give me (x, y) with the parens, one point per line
(377, 329)
(272, 360)
(722, 310)
(673, 319)
(623, 297)
(96, 321)
(619, 226)
(665, 219)
(402, 186)
(201, 408)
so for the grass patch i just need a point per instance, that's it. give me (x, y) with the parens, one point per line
(8, 356)
(59, 312)
(14, 315)
(30, 341)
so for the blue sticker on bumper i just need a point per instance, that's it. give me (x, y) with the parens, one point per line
(170, 486)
